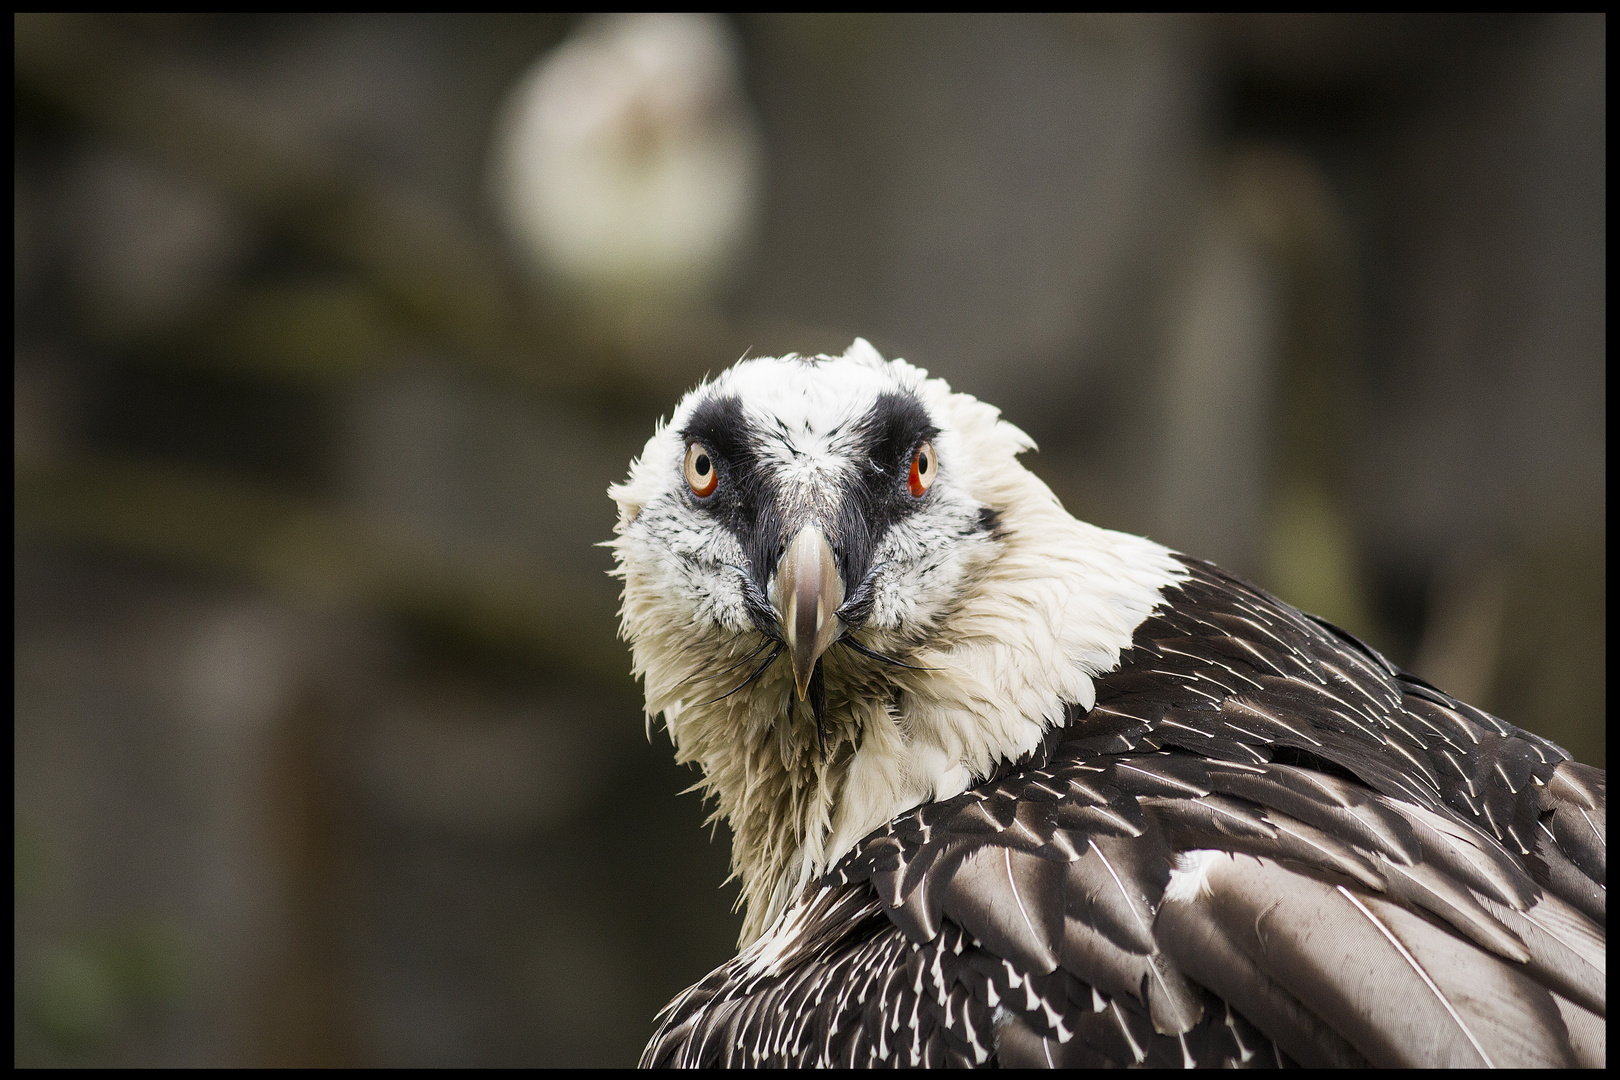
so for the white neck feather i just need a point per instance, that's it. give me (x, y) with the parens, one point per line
(1055, 608)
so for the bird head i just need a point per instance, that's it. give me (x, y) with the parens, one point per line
(838, 595)
(810, 503)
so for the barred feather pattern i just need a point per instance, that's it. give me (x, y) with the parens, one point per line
(1264, 846)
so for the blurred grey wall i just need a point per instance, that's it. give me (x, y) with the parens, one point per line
(325, 751)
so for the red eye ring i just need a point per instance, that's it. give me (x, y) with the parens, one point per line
(924, 467)
(701, 475)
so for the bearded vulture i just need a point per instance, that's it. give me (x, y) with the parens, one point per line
(1009, 789)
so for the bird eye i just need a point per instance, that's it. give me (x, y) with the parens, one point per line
(701, 476)
(924, 467)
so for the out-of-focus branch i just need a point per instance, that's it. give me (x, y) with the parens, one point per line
(421, 277)
(436, 275)
(322, 555)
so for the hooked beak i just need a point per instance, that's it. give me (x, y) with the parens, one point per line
(808, 591)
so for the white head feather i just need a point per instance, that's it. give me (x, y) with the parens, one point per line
(1003, 627)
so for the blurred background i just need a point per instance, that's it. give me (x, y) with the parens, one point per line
(331, 332)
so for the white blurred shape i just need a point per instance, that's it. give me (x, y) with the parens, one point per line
(626, 162)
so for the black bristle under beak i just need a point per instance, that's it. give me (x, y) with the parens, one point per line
(818, 707)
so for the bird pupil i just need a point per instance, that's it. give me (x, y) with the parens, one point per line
(702, 464)
(922, 462)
